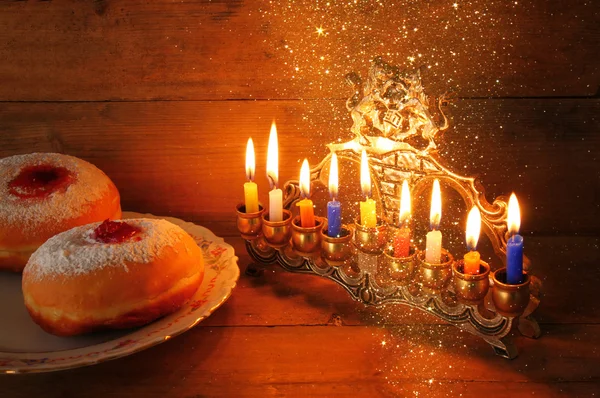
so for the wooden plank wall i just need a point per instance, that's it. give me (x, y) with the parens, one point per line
(162, 96)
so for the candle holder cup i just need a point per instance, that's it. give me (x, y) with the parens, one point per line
(277, 233)
(306, 241)
(435, 276)
(336, 250)
(249, 224)
(400, 269)
(370, 240)
(471, 289)
(510, 300)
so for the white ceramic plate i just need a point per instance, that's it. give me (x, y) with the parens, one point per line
(26, 348)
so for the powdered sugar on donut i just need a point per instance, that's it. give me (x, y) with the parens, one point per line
(28, 214)
(76, 252)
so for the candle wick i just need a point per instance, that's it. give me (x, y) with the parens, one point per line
(271, 182)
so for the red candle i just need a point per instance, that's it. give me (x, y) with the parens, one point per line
(402, 237)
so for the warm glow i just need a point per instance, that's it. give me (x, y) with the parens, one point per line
(405, 203)
(473, 228)
(435, 213)
(351, 145)
(273, 157)
(365, 175)
(250, 160)
(514, 215)
(384, 144)
(305, 179)
(333, 177)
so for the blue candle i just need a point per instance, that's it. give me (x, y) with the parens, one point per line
(334, 208)
(514, 260)
(514, 246)
(334, 218)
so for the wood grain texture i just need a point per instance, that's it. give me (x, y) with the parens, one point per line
(322, 361)
(186, 159)
(132, 50)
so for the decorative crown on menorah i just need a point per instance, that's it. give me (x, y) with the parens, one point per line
(391, 114)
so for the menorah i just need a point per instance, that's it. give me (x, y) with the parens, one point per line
(393, 109)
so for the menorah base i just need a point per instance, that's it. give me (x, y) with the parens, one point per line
(360, 281)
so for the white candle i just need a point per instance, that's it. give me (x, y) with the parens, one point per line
(275, 196)
(275, 205)
(433, 250)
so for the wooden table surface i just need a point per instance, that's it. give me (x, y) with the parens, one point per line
(162, 96)
(283, 334)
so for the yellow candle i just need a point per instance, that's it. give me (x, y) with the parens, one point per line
(368, 208)
(433, 250)
(276, 195)
(251, 196)
(250, 187)
(472, 259)
(368, 213)
(307, 213)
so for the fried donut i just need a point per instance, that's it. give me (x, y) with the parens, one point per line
(111, 275)
(43, 194)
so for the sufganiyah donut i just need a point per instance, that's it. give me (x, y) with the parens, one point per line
(111, 275)
(43, 194)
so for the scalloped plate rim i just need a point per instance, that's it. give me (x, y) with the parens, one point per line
(231, 277)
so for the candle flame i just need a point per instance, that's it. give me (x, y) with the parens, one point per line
(514, 215)
(305, 179)
(333, 177)
(405, 203)
(273, 157)
(473, 228)
(250, 160)
(365, 175)
(435, 213)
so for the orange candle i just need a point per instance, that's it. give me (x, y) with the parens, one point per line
(472, 259)
(307, 213)
(368, 209)
(402, 237)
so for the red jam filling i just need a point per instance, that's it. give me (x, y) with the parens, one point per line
(38, 182)
(116, 232)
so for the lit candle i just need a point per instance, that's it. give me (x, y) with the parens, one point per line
(368, 210)
(472, 259)
(307, 214)
(433, 250)
(334, 208)
(402, 238)
(250, 188)
(275, 196)
(514, 246)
